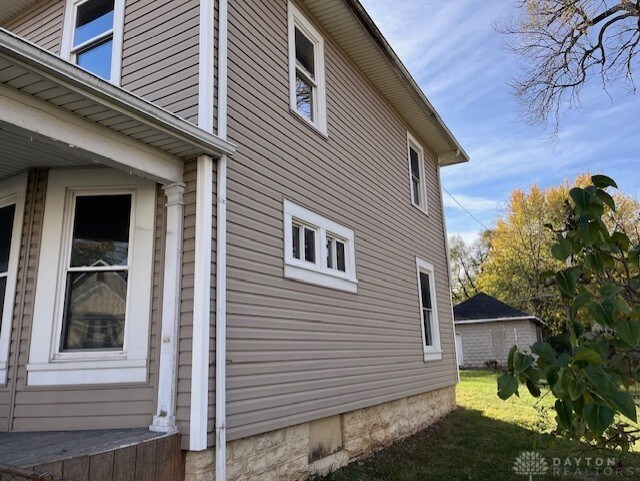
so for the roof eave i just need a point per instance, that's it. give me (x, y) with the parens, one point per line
(457, 154)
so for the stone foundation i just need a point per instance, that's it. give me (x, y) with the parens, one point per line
(297, 452)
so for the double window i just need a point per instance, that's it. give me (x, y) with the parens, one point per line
(317, 250)
(416, 173)
(93, 36)
(12, 197)
(428, 311)
(92, 324)
(306, 70)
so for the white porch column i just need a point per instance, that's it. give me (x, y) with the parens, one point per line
(165, 418)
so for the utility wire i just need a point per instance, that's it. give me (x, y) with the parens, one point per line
(464, 208)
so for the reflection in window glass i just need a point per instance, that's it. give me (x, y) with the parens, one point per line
(304, 97)
(93, 19)
(97, 59)
(295, 241)
(340, 257)
(3, 288)
(95, 310)
(7, 215)
(96, 283)
(330, 242)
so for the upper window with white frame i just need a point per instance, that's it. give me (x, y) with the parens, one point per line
(93, 36)
(428, 311)
(318, 250)
(416, 173)
(12, 198)
(92, 325)
(306, 70)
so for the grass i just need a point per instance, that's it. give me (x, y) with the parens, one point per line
(480, 441)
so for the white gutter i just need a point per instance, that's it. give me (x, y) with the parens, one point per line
(199, 418)
(501, 319)
(221, 261)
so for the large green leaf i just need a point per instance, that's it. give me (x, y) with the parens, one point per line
(566, 282)
(588, 354)
(598, 418)
(625, 404)
(507, 386)
(545, 351)
(580, 199)
(565, 413)
(600, 380)
(600, 315)
(602, 181)
(629, 332)
(607, 199)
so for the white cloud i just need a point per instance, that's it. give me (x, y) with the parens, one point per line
(471, 203)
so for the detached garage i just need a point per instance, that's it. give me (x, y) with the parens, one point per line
(486, 329)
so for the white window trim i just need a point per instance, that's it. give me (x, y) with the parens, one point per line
(13, 191)
(47, 365)
(298, 19)
(319, 273)
(67, 50)
(412, 142)
(431, 353)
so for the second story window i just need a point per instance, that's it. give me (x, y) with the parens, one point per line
(417, 174)
(93, 36)
(306, 70)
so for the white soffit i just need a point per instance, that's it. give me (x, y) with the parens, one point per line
(350, 26)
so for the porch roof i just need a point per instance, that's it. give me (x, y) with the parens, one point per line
(41, 75)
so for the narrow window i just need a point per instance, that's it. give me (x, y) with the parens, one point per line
(295, 241)
(336, 254)
(97, 276)
(306, 66)
(93, 36)
(309, 245)
(416, 174)
(7, 215)
(428, 311)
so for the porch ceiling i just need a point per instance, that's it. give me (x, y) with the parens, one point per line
(21, 149)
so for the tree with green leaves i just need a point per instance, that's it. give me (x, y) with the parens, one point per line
(600, 290)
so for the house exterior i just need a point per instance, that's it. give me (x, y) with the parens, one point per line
(221, 219)
(487, 329)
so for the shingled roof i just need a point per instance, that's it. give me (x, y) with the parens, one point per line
(484, 307)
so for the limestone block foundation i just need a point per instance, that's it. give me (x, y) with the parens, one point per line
(297, 452)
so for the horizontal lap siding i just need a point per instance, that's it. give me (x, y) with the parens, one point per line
(40, 24)
(186, 307)
(82, 407)
(160, 53)
(298, 352)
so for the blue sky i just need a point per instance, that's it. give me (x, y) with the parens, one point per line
(458, 59)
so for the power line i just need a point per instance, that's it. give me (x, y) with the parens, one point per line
(464, 208)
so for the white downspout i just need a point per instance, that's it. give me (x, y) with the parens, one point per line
(221, 251)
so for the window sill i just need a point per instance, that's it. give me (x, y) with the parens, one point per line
(432, 356)
(315, 128)
(424, 210)
(318, 278)
(58, 373)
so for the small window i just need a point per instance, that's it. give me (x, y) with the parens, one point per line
(416, 173)
(306, 65)
(428, 311)
(317, 250)
(93, 36)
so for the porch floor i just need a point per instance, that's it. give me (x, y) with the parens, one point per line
(27, 450)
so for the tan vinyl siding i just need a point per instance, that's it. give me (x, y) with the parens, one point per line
(77, 407)
(160, 53)
(492, 340)
(40, 24)
(186, 307)
(298, 352)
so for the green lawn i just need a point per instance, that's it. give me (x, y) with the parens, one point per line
(480, 441)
